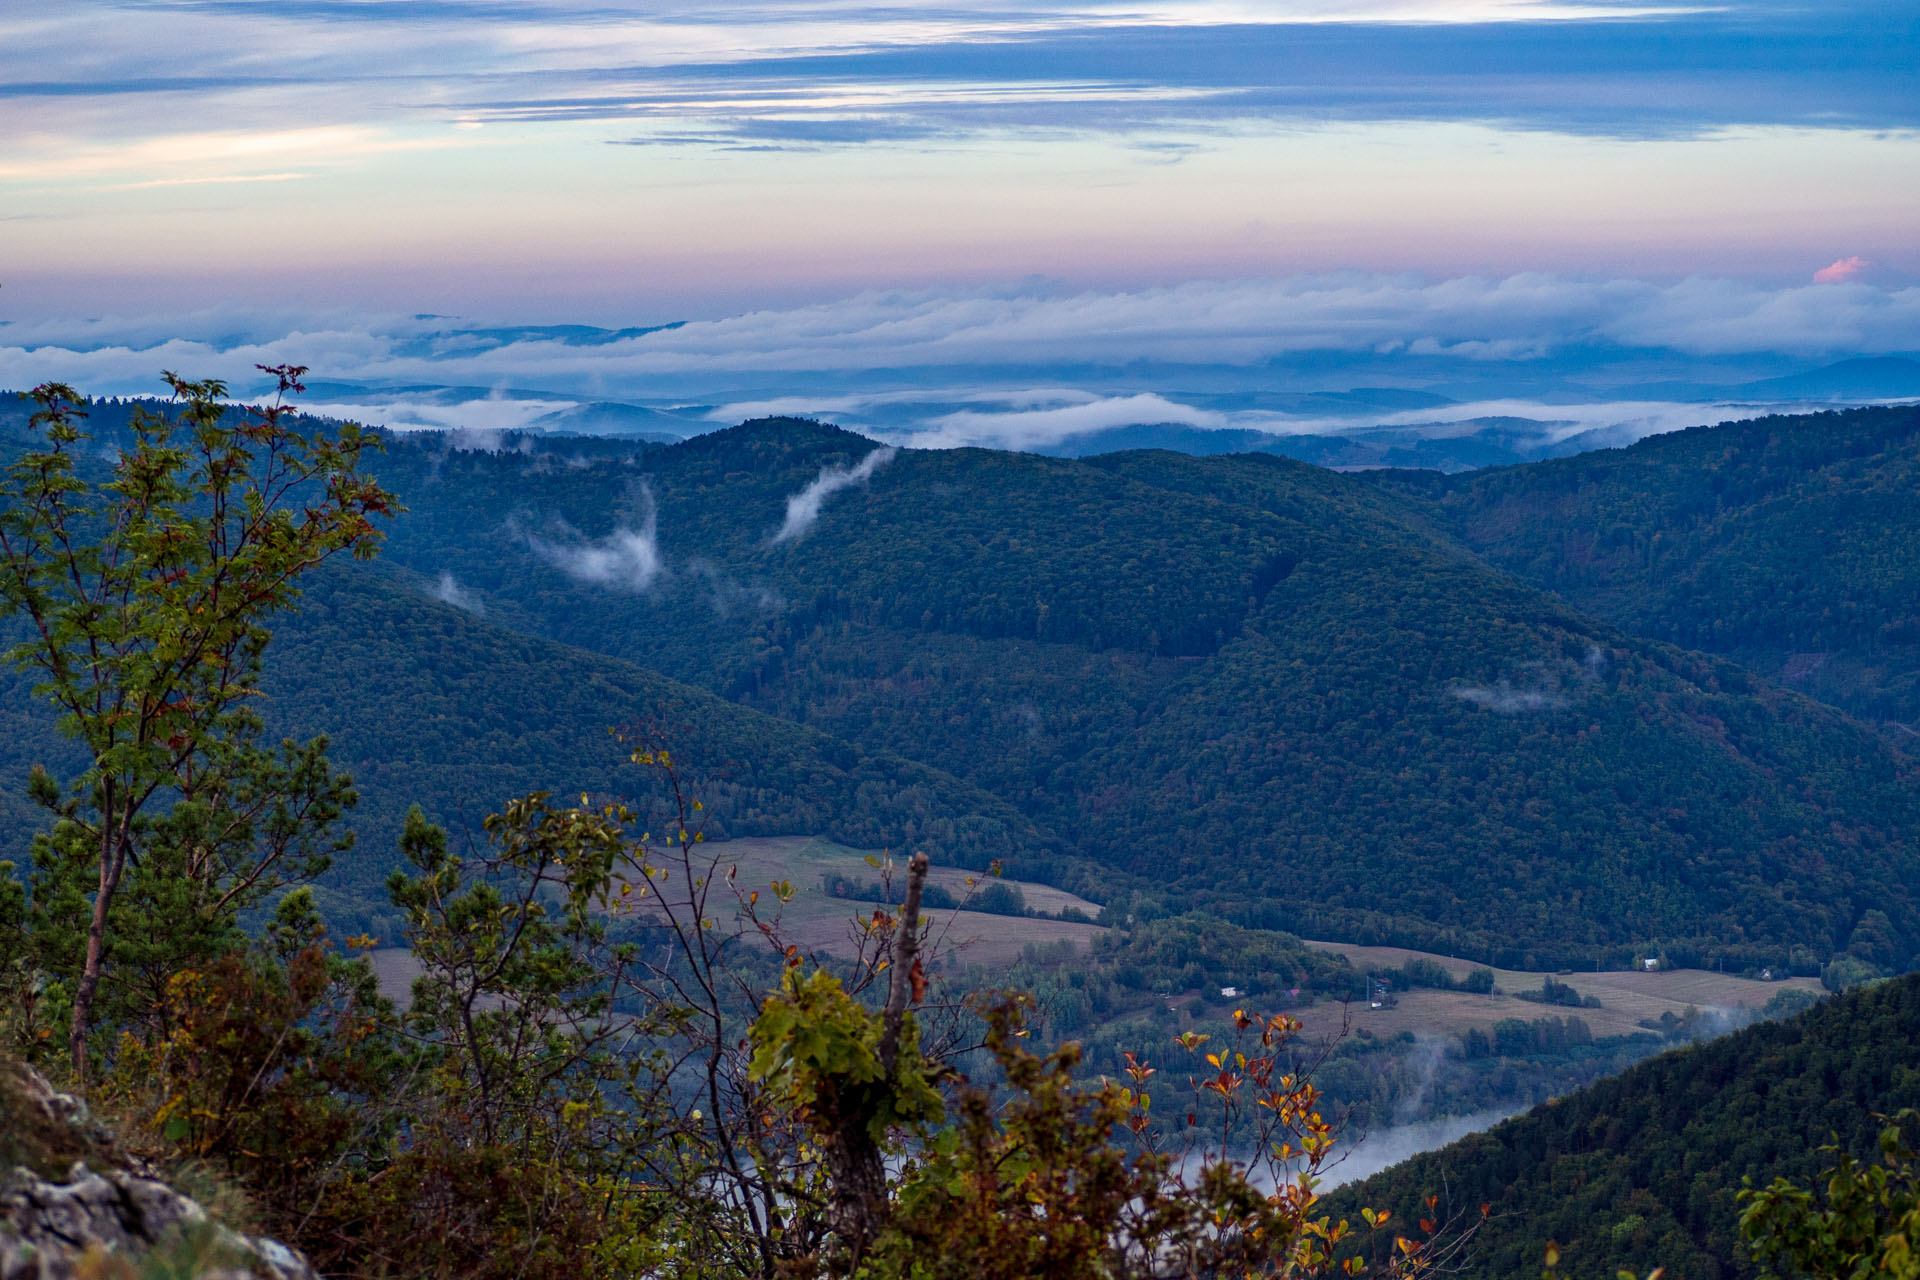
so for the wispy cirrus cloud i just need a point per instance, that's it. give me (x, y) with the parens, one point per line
(434, 154)
(180, 159)
(949, 67)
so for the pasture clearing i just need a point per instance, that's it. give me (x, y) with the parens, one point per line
(819, 923)
(1626, 996)
(816, 922)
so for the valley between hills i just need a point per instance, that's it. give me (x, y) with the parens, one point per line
(1498, 782)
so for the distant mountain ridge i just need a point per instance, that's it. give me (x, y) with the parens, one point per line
(1861, 378)
(1359, 427)
(1463, 445)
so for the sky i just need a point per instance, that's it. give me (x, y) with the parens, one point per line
(954, 204)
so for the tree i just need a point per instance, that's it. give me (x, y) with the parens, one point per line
(146, 583)
(1866, 1225)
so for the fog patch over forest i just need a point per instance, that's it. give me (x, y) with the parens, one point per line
(803, 508)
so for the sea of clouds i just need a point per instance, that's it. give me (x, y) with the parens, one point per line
(1024, 366)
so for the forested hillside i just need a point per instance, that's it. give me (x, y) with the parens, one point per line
(1791, 544)
(426, 704)
(1289, 695)
(1641, 1170)
(1238, 681)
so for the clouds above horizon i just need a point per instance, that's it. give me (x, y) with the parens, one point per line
(1027, 367)
(1460, 323)
(90, 62)
(434, 155)
(1845, 269)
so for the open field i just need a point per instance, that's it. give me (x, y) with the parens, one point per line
(817, 922)
(1626, 997)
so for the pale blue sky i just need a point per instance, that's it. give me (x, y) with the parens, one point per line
(827, 186)
(584, 160)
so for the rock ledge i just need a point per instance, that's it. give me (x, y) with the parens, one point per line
(103, 1224)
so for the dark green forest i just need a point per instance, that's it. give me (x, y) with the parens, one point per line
(1293, 697)
(1642, 1170)
(427, 705)
(1785, 543)
(1242, 682)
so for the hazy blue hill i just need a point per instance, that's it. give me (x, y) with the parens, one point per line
(1866, 378)
(606, 418)
(1641, 1170)
(1448, 446)
(1247, 681)
(1791, 544)
(1862, 378)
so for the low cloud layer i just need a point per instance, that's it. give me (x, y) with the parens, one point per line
(1508, 699)
(625, 560)
(1367, 1154)
(1027, 428)
(447, 590)
(1619, 421)
(1547, 688)
(803, 508)
(1468, 323)
(1028, 366)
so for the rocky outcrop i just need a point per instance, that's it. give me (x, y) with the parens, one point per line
(107, 1221)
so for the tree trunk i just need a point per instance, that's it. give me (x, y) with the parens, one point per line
(859, 1209)
(112, 862)
(906, 954)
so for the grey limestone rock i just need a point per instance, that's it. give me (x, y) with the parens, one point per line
(116, 1223)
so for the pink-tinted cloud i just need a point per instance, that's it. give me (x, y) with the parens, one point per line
(1845, 269)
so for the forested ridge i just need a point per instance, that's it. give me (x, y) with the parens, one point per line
(1642, 1170)
(1791, 544)
(1255, 684)
(427, 705)
(1291, 696)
